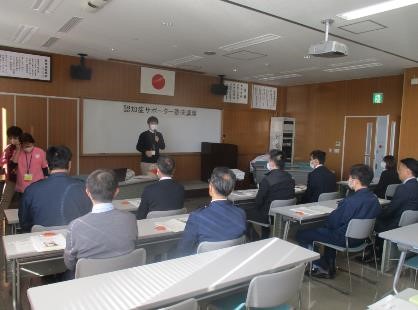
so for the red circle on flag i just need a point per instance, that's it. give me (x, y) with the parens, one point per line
(158, 81)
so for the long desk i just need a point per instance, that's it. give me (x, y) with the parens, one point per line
(287, 215)
(247, 196)
(407, 240)
(160, 284)
(129, 205)
(26, 254)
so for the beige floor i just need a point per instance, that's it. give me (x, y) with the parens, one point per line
(316, 295)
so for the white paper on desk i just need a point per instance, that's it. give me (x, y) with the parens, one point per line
(309, 210)
(134, 202)
(24, 246)
(48, 243)
(323, 209)
(391, 302)
(174, 225)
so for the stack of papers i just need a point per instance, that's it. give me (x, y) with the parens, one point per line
(314, 210)
(239, 174)
(174, 225)
(391, 302)
(50, 242)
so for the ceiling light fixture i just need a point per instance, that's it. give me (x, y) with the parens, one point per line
(167, 24)
(235, 69)
(355, 67)
(253, 41)
(209, 53)
(376, 9)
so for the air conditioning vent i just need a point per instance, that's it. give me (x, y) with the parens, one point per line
(70, 24)
(50, 42)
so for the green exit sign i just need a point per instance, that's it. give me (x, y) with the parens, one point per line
(377, 98)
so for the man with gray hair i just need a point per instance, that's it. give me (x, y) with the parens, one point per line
(104, 232)
(219, 221)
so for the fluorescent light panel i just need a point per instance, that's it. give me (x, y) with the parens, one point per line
(176, 62)
(249, 42)
(354, 67)
(280, 77)
(376, 8)
(46, 6)
(24, 33)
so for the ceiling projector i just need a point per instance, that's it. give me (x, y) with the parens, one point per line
(328, 49)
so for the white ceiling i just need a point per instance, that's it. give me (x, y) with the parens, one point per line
(135, 30)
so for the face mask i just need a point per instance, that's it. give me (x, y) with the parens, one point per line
(153, 127)
(383, 165)
(28, 149)
(311, 163)
(350, 184)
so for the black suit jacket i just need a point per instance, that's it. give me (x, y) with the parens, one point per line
(276, 185)
(320, 180)
(387, 177)
(405, 198)
(162, 196)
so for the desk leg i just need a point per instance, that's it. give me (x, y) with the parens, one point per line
(13, 270)
(398, 271)
(17, 284)
(384, 266)
(286, 229)
(278, 224)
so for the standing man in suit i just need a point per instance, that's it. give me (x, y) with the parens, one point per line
(362, 204)
(105, 232)
(150, 142)
(57, 200)
(165, 195)
(219, 221)
(276, 185)
(320, 180)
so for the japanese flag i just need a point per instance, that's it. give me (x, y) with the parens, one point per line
(157, 82)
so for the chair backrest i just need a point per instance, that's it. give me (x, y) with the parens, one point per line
(360, 228)
(390, 190)
(38, 228)
(282, 203)
(408, 217)
(329, 196)
(7, 195)
(272, 290)
(155, 214)
(189, 304)
(86, 267)
(207, 246)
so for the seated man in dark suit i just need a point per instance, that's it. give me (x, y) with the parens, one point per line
(389, 176)
(164, 195)
(362, 204)
(105, 232)
(219, 221)
(405, 198)
(276, 185)
(320, 180)
(57, 200)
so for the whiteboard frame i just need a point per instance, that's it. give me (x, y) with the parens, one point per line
(81, 126)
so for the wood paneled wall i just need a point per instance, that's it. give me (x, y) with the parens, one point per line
(319, 110)
(111, 81)
(408, 146)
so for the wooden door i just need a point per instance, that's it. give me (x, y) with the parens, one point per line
(359, 142)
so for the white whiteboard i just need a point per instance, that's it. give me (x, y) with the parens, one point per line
(114, 126)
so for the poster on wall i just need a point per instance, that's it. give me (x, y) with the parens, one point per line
(237, 92)
(25, 66)
(264, 97)
(157, 81)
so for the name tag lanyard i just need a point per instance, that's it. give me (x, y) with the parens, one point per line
(30, 162)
